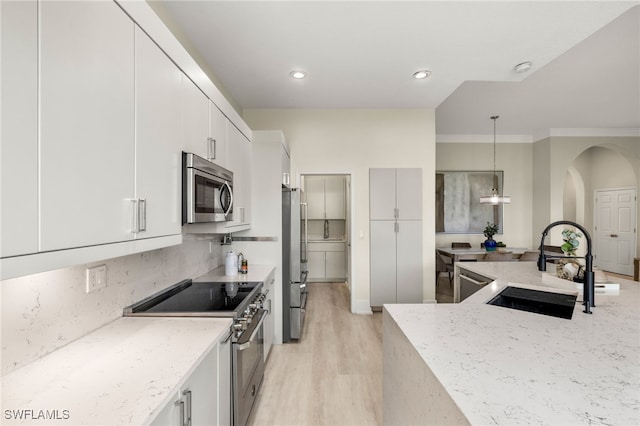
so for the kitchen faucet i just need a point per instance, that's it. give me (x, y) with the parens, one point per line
(588, 290)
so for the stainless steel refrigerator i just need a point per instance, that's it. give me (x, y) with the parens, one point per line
(294, 263)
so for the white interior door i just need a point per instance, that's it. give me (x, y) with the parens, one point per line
(615, 233)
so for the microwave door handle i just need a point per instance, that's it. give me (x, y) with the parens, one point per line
(230, 198)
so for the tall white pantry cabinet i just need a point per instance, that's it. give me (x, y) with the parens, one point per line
(395, 222)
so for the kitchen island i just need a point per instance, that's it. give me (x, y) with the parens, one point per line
(473, 363)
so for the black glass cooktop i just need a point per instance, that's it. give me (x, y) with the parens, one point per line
(187, 297)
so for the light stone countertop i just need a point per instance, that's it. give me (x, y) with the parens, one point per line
(254, 273)
(504, 366)
(123, 373)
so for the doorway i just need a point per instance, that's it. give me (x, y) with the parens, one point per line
(328, 201)
(615, 219)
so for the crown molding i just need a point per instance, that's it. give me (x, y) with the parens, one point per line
(550, 133)
(612, 132)
(483, 139)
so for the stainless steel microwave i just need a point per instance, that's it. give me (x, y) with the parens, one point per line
(207, 191)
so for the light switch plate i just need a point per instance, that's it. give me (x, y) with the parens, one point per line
(96, 278)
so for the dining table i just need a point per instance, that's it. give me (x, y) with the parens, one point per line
(476, 254)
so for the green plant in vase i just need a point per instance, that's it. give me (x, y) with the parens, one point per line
(489, 231)
(570, 242)
(569, 268)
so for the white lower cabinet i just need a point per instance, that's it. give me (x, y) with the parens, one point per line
(205, 396)
(224, 382)
(396, 262)
(327, 261)
(269, 322)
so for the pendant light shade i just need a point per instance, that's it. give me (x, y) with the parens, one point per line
(495, 198)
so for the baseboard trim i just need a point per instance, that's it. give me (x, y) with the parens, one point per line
(430, 301)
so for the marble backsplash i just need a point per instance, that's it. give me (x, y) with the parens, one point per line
(43, 312)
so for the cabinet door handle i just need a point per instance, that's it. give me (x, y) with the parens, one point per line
(187, 394)
(180, 403)
(211, 149)
(396, 227)
(136, 217)
(614, 235)
(142, 215)
(468, 278)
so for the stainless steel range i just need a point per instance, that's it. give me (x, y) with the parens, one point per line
(241, 301)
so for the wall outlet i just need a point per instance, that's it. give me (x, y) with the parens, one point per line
(96, 278)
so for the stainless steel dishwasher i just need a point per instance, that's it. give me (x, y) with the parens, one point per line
(469, 283)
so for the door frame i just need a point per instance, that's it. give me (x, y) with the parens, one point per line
(350, 206)
(595, 219)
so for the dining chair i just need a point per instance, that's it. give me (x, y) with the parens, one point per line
(447, 266)
(498, 256)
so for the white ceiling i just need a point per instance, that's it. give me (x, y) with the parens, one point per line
(361, 54)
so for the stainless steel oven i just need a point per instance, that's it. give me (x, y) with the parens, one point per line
(248, 369)
(241, 301)
(207, 191)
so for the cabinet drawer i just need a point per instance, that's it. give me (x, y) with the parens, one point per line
(333, 246)
(322, 246)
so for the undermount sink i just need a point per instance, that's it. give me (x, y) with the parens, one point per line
(558, 305)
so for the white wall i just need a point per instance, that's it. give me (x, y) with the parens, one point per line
(43, 312)
(352, 142)
(515, 160)
(614, 163)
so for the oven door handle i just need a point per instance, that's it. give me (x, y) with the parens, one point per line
(247, 344)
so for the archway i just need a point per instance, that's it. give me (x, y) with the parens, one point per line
(602, 169)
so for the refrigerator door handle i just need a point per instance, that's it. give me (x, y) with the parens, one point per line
(306, 235)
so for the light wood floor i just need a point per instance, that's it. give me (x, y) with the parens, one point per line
(333, 376)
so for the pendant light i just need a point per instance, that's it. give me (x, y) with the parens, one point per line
(495, 198)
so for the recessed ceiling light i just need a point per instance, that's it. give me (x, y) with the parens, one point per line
(418, 75)
(522, 67)
(297, 74)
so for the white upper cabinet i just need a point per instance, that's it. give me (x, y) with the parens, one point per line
(19, 137)
(239, 157)
(314, 196)
(334, 197)
(217, 143)
(158, 149)
(195, 119)
(397, 196)
(86, 124)
(325, 197)
(204, 126)
(409, 194)
(382, 201)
